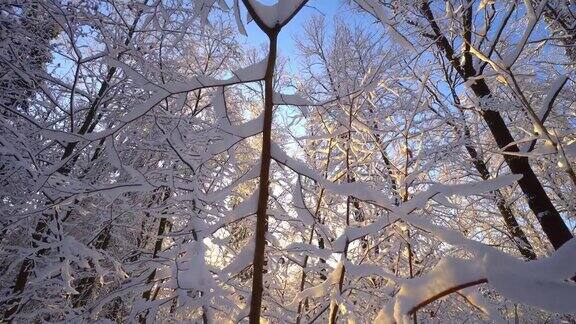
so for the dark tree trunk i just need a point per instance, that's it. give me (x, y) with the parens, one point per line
(518, 235)
(552, 223)
(86, 285)
(265, 159)
(538, 200)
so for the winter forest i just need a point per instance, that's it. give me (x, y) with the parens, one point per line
(288, 161)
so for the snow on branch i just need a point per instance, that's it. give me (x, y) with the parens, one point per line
(290, 99)
(542, 283)
(418, 201)
(533, 15)
(244, 209)
(242, 260)
(302, 211)
(251, 73)
(553, 92)
(366, 193)
(359, 190)
(277, 14)
(377, 10)
(234, 134)
(226, 191)
(327, 287)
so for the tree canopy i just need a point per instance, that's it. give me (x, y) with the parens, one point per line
(287, 161)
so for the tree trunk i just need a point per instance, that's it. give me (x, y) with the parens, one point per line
(264, 184)
(320, 239)
(538, 200)
(518, 235)
(86, 285)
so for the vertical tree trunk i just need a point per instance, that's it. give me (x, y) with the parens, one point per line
(351, 202)
(518, 235)
(27, 267)
(320, 240)
(85, 286)
(163, 227)
(264, 184)
(538, 200)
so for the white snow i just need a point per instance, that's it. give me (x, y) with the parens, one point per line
(276, 14)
